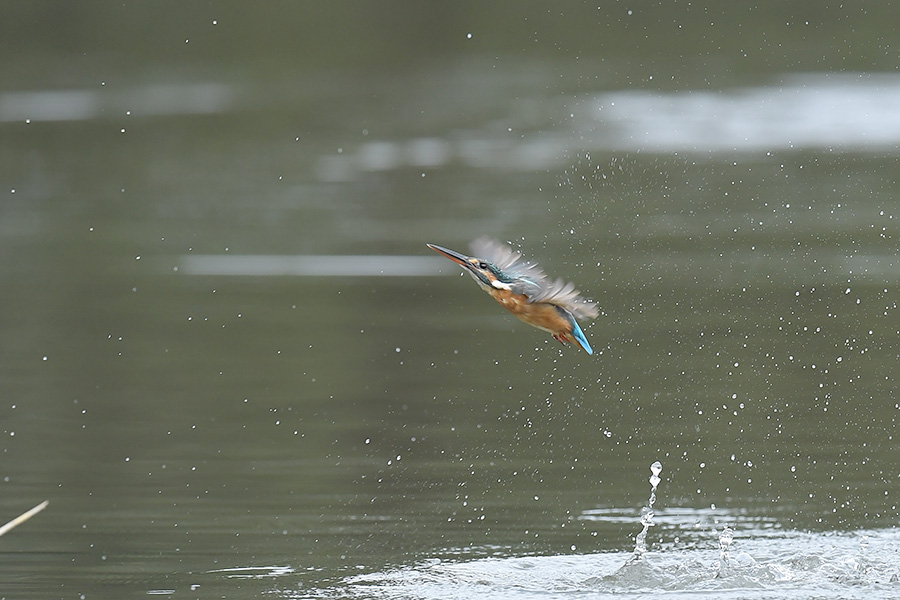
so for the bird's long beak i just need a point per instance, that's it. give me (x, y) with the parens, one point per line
(456, 257)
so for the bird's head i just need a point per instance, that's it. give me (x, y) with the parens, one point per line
(485, 273)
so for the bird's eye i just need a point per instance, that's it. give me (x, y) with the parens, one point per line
(482, 265)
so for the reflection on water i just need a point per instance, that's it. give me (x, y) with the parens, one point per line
(312, 266)
(826, 111)
(146, 101)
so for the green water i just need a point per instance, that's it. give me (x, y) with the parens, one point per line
(184, 424)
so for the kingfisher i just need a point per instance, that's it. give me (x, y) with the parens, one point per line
(523, 289)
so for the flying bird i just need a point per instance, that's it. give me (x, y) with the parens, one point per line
(524, 290)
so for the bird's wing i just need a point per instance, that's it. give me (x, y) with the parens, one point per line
(531, 280)
(565, 295)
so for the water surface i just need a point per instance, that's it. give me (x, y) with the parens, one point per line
(234, 368)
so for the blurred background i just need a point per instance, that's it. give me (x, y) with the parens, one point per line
(721, 178)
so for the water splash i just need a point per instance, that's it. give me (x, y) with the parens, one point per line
(771, 562)
(640, 542)
(862, 563)
(726, 538)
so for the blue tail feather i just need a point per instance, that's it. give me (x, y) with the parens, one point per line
(579, 335)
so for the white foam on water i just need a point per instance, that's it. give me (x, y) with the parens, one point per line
(793, 566)
(750, 558)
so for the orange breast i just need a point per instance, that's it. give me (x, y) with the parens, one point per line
(538, 314)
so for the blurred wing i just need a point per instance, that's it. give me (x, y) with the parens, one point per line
(565, 295)
(531, 279)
